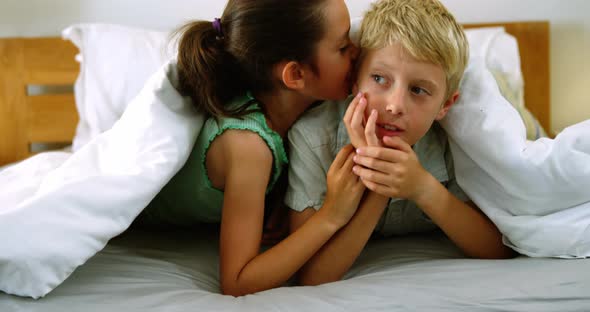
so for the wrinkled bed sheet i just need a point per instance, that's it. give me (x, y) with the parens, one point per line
(177, 271)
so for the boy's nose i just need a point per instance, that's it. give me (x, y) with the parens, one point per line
(396, 102)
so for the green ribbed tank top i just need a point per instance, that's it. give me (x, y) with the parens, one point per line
(189, 197)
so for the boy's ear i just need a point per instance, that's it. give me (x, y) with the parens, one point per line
(447, 105)
(292, 75)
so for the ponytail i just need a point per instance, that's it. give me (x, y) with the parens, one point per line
(220, 60)
(207, 73)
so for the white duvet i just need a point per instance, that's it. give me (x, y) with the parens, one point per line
(537, 193)
(54, 218)
(57, 211)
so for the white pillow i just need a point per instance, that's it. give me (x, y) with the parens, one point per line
(498, 48)
(115, 62)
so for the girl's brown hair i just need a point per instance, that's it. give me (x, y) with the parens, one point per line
(216, 66)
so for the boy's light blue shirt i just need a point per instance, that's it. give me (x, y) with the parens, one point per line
(318, 136)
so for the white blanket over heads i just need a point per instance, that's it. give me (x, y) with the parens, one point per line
(537, 193)
(57, 211)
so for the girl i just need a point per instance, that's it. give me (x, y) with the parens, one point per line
(254, 71)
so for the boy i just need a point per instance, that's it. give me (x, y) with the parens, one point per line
(413, 57)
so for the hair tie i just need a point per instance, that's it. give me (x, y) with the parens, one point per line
(217, 27)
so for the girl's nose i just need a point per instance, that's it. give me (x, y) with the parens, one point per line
(354, 51)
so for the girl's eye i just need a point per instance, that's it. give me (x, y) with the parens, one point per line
(419, 91)
(378, 79)
(344, 48)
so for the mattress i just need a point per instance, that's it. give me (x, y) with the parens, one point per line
(177, 270)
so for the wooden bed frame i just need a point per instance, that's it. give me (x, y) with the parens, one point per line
(51, 118)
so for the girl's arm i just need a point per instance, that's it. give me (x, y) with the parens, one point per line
(336, 257)
(248, 166)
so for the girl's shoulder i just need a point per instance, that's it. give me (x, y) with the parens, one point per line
(244, 145)
(255, 122)
(252, 119)
(248, 138)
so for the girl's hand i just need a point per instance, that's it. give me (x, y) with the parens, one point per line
(361, 133)
(394, 171)
(344, 188)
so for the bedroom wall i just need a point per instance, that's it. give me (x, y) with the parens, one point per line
(570, 30)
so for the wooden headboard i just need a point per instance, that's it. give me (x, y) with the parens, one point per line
(27, 119)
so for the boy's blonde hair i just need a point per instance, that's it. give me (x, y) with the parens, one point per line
(425, 28)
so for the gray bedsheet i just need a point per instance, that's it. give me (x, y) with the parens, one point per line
(177, 271)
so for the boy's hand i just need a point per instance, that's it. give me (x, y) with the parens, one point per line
(392, 171)
(344, 188)
(361, 134)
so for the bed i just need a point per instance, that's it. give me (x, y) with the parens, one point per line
(176, 270)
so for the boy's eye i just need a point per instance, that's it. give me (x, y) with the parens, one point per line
(344, 48)
(419, 91)
(378, 79)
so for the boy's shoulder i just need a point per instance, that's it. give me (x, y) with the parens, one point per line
(319, 124)
(434, 141)
(433, 151)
